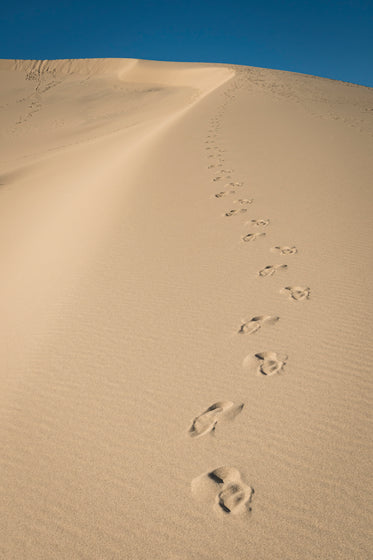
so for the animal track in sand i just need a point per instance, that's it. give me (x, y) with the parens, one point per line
(270, 269)
(217, 412)
(284, 250)
(225, 489)
(297, 293)
(260, 223)
(254, 324)
(265, 363)
(217, 178)
(252, 236)
(235, 212)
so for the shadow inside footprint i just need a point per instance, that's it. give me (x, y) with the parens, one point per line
(217, 412)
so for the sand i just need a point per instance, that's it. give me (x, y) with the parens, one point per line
(186, 319)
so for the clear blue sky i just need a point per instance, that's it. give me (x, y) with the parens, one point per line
(327, 38)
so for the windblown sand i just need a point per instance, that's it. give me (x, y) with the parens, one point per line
(186, 318)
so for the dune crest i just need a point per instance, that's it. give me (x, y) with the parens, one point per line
(178, 239)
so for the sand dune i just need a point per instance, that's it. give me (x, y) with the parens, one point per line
(186, 255)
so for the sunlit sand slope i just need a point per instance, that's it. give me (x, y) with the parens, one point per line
(185, 312)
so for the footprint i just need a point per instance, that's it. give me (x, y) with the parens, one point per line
(235, 498)
(217, 412)
(260, 223)
(244, 201)
(252, 326)
(223, 193)
(252, 236)
(284, 250)
(270, 363)
(225, 489)
(234, 212)
(265, 363)
(217, 178)
(271, 269)
(235, 184)
(297, 293)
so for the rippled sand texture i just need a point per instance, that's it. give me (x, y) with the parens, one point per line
(185, 313)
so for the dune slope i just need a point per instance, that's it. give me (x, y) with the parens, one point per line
(185, 313)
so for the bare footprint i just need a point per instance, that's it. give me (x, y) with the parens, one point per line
(284, 250)
(217, 412)
(297, 293)
(254, 324)
(260, 223)
(225, 490)
(235, 212)
(265, 363)
(252, 236)
(270, 269)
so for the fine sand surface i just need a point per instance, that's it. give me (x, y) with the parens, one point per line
(186, 318)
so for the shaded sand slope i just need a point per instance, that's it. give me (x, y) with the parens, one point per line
(139, 309)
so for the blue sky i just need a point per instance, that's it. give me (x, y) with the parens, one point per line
(332, 38)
